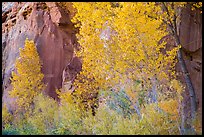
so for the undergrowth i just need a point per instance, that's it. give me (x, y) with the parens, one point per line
(52, 118)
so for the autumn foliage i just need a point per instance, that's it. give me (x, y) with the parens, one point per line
(128, 83)
(27, 80)
(120, 44)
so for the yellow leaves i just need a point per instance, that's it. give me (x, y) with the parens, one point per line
(197, 123)
(27, 81)
(177, 86)
(49, 117)
(163, 75)
(171, 107)
(43, 115)
(197, 5)
(156, 122)
(65, 96)
(6, 116)
(117, 40)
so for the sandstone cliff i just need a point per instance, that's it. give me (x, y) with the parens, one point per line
(191, 39)
(50, 27)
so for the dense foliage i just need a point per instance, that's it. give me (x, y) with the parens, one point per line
(128, 77)
(118, 49)
(27, 80)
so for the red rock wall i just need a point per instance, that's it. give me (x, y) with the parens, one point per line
(191, 40)
(44, 23)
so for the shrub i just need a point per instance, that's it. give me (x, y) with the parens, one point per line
(10, 130)
(7, 118)
(43, 117)
(70, 118)
(67, 119)
(118, 101)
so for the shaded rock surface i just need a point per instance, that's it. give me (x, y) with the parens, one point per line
(191, 40)
(43, 22)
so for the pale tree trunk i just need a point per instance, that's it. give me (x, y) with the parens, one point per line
(187, 81)
(135, 106)
(154, 96)
(174, 28)
(190, 89)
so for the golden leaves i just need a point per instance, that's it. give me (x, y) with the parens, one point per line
(121, 43)
(177, 86)
(27, 82)
(171, 107)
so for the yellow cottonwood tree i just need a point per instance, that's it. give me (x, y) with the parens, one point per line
(27, 80)
(120, 44)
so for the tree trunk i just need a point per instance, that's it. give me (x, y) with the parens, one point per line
(174, 28)
(190, 89)
(187, 79)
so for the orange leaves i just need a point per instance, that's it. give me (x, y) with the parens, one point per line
(171, 107)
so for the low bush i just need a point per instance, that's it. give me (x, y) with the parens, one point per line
(51, 118)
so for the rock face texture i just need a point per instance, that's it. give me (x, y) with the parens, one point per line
(53, 33)
(191, 40)
(190, 34)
